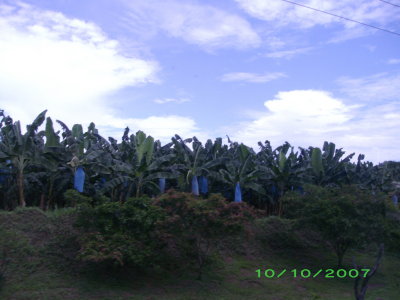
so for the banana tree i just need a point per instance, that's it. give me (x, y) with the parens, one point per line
(52, 162)
(74, 141)
(139, 167)
(19, 148)
(195, 162)
(215, 151)
(282, 170)
(241, 171)
(89, 152)
(327, 167)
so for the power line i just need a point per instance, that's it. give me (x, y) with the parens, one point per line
(390, 3)
(344, 18)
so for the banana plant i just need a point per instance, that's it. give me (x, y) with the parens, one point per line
(91, 156)
(327, 167)
(19, 148)
(288, 169)
(52, 162)
(139, 167)
(241, 171)
(73, 140)
(215, 151)
(281, 170)
(195, 162)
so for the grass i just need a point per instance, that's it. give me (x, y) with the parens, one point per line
(42, 272)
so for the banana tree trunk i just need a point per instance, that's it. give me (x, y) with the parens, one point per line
(128, 194)
(20, 183)
(42, 201)
(195, 186)
(238, 193)
(138, 187)
(50, 193)
(280, 204)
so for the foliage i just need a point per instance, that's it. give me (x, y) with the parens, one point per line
(194, 227)
(197, 162)
(241, 170)
(120, 233)
(347, 217)
(392, 227)
(73, 198)
(37, 167)
(20, 149)
(281, 170)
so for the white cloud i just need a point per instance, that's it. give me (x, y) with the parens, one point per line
(394, 61)
(288, 54)
(252, 77)
(280, 13)
(171, 100)
(373, 88)
(203, 25)
(310, 117)
(68, 66)
(160, 127)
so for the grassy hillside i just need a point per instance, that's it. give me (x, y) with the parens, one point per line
(42, 266)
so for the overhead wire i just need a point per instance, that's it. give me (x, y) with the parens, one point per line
(344, 18)
(397, 5)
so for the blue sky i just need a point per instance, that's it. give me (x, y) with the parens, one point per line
(254, 70)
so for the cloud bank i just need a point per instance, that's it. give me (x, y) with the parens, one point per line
(310, 117)
(69, 66)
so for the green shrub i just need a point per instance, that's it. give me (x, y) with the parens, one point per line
(120, 233)
(392, 232)
(347, 217)
(194, 227)
(73, 198)
(176, 229)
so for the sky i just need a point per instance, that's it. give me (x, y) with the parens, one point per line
(254, 70)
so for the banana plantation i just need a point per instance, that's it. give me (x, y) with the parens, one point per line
(38, 166)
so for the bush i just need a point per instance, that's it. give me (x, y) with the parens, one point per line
(194, 227)
(73, 198)
(176, 229)
(120, 233)
(347, 217)
(392, 232)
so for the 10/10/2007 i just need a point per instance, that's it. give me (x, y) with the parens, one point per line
(307, 273)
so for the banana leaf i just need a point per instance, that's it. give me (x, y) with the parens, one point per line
(52, 139)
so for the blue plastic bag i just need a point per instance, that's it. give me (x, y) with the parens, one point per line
(79, 179)
(195, 186)
(238, 193)
(161, 184)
